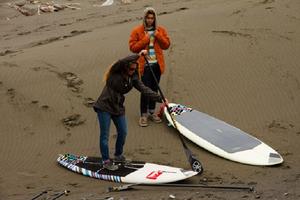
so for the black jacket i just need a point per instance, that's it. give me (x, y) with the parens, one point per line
(112, 97)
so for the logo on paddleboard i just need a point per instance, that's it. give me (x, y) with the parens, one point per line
(154, 175)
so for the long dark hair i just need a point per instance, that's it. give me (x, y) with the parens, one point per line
(119, 67)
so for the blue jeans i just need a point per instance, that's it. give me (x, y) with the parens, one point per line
(121, 125)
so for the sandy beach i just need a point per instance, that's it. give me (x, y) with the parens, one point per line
(235, 60)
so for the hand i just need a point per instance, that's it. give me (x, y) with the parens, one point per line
(162, 108)
(160, 113)
(144, 52)
(166, 101)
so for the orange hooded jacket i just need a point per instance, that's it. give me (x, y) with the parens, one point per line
(139, 40)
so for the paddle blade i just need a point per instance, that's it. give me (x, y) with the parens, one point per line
(194, 162)
(196, 165)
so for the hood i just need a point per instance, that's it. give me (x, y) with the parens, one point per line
(129, 59)
(146, 11)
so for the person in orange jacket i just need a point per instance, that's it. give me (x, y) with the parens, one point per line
(155, 39)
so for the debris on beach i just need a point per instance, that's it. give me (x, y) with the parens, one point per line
(32, 7)
(27, 10)
(126, 1)
(108, 3)
(111, 2)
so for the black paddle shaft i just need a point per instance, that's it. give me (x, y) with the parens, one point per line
(66, 192)
(181, 185)
(194, 162)
(38, 195)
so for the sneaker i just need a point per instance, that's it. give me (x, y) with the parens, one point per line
(143, 122)
(108, 164)
(155, 118)
(120, 158)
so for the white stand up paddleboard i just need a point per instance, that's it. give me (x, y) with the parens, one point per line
(221, 138)
(128, 172)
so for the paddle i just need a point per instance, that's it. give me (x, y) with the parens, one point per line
(194, 162)
(66, 192)
(131, 186)
(40, 194)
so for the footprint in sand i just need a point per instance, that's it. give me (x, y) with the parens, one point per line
(6, 52)
(30, 187)
(143, 151)
(8, 64)
(75, 185)
(252, 183)
(45, 107)
(73, 120)
(64, 141)
(233, 33)
(73, 82)
(61, 142)
(36, 68)
(280, 125)
(287, 153)
(213, 179)
(18, 100)
(172, 11)
(266, 1)
(34, 102)
(11, 92)
(286, 166)
(24, 33)
(89, 102)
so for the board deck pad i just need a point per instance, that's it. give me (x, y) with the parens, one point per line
(221, 138)
(212, 131)
(129, 171)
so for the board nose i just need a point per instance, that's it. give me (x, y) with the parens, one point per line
(189, 173)
(275, 158)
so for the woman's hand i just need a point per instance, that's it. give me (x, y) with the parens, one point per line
(165, 102)
(162, 108)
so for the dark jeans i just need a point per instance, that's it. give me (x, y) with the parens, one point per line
(121, 125)
(145, 103)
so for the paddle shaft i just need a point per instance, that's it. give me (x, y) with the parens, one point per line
(40, 194)
(130, 186)
(66, 192)
(194, 162)
(204, 186)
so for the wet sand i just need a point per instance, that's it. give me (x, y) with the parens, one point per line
(236, 61)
